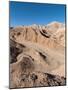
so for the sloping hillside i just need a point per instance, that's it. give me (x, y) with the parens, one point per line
(39, 50)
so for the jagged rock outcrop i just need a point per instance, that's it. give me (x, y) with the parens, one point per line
(37, 79)
(24, 75)
(37, 55)
(45, 36)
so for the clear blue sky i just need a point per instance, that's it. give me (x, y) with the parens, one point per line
(22, 13)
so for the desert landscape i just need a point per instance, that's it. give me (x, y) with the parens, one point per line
(37, 55)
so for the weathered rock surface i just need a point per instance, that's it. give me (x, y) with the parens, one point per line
(37, 55)
(36, 79)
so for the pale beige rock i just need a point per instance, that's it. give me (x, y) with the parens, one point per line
(40, 48)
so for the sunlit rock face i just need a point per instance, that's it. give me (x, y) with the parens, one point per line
(37, 55)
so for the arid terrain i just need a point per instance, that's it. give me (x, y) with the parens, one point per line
(37, 55)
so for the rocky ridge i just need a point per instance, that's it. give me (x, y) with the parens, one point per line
(37, 51)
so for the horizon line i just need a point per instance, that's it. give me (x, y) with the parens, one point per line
(36, 24)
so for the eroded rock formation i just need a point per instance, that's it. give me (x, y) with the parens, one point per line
(37, 55)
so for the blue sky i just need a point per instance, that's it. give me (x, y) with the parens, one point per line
(22, 13)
